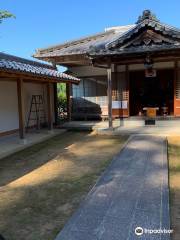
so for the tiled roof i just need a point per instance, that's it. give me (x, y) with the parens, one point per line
(168, 39)
(113, 40)
(17, 64)
(83, 45)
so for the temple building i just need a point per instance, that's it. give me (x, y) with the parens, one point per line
(124, 70)
(28, 95)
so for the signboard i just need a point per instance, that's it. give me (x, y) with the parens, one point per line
(119, 105)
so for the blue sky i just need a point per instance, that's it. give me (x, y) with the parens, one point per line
(40, 23)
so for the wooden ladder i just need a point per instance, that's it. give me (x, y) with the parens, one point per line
(36, 112)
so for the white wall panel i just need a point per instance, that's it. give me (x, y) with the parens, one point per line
(9, 119)
(87, 71)
(8, 106)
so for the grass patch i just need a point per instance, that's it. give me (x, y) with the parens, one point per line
(43, 185)
(174, 181)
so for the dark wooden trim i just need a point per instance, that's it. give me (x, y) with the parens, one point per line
(14, 79)
(7, 79)
(127, 81)
(139, 59)
(55, 103)
(20, 95)
(31, 77)
(10, 132)
(93, 76)
(116, 113)
(100, 66)
(83, 83)
(175, 80)
(68, 59)
(114, 78)
(49, 107)
(158, 69)
(36, 82)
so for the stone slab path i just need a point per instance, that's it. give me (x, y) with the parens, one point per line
(133, 192)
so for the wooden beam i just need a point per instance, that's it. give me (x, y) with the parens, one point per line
(49, 107)
(127, 86)
(109, 94)
(69, 102)
(175, 84)
(20, 95)
(6, 133)
(67, 59)
(31, 77)
(136, 59)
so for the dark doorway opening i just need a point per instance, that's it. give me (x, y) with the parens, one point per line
(151, 91)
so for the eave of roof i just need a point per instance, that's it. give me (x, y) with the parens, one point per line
(147, 21)
(17, 65)
(135, 50)
(110, 42)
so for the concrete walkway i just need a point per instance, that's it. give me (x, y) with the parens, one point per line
(133, 192)
(12, 144)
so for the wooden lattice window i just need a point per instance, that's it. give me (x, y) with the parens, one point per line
(178, 86)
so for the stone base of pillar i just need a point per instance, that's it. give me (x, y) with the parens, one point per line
(23, 141)
(51, 131)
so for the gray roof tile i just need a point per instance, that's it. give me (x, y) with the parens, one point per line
(82, 46)
(13, 63)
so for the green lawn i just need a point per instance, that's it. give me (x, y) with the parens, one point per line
(174, 177)
(42, 186)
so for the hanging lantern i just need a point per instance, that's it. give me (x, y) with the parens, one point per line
(149, 70)
(148, 62)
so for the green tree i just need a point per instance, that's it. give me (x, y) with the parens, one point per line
(61, 92)
(5, 14)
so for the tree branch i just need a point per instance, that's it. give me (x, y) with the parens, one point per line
(5, 14)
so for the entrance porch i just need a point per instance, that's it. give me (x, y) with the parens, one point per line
(126, 91)
(133, 125)
(153, 92)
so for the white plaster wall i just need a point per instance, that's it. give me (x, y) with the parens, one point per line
(90, 87)
(29, 90)
(86, 71)
(36, 89)
(8, 106)
(9, 119)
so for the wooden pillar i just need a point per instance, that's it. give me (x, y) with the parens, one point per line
(109, 94)
(175, 82)
(49, 106)
(127, 89)
(69, 103)
(115, 78)
(20, 94)
(55, 103)
(176, 90)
